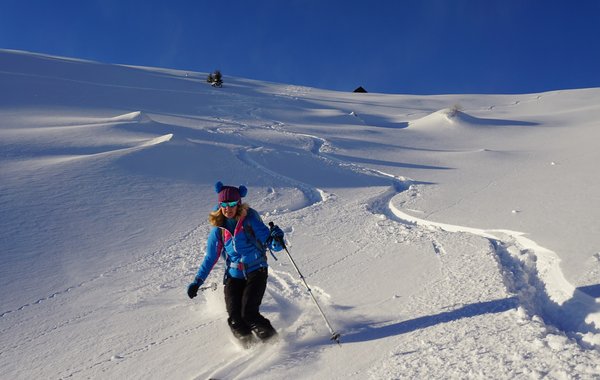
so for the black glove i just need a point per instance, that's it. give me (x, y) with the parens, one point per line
(192, 289)
(277, 233)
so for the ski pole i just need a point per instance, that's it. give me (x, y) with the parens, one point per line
(212, 286)
(335, 336)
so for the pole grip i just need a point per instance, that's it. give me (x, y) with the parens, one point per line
(278, 239)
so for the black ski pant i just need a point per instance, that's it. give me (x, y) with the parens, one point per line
(242, 299)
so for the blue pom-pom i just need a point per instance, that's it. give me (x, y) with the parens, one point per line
(218, 187)
(243, 190)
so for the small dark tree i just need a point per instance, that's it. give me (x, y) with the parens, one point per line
(210, 78)
(218, 78)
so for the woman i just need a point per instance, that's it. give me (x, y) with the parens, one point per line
(241, 236)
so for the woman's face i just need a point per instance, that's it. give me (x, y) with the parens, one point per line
(228, 210)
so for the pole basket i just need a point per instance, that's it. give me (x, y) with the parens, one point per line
(336, 337)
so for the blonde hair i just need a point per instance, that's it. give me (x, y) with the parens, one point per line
(217, 219)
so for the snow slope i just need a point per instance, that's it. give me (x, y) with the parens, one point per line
(449, 236)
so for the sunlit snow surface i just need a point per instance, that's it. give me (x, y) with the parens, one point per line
(450, 236)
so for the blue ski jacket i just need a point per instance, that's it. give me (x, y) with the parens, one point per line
(244, 251)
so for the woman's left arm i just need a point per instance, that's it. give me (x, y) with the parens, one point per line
(261, 231)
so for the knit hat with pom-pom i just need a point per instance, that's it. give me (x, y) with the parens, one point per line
(230, 193)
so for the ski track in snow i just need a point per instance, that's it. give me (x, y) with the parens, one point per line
(531, 302)
(551, 288)
(544, 276)
(532, 272)
(313, 195)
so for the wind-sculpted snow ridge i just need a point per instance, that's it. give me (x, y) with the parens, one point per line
(134, 116)
(533, 273)
(449, 118)
(37, 163)
(444, 117)
(56, 123)
(33, 148)
(138, 116)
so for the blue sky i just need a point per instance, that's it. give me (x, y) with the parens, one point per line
(402, 46)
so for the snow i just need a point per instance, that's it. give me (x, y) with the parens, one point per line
(446, 236)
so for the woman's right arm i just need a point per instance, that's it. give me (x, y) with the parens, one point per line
(214, 246)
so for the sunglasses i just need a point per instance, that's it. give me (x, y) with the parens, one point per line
(229, 204)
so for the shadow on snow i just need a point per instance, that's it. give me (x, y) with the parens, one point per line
(369, 332)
